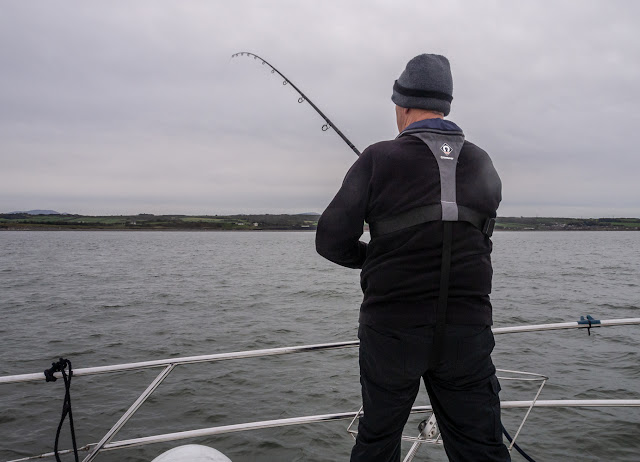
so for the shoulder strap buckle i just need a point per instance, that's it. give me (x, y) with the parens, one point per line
(487, 227)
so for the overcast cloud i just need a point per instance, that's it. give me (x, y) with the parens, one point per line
(127, 107)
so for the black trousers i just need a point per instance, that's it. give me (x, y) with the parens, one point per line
(462, 387)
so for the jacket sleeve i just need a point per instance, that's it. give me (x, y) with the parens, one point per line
(341, 224)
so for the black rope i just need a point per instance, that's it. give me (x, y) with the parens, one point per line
(515, 445)
(49, 375)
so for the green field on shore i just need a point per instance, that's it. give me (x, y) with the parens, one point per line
(25, 221)
(144, 221)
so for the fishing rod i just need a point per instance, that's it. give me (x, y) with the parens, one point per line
(301, 99)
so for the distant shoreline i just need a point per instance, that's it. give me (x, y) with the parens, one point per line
(155, 230)
(268, 222)
(293, 230)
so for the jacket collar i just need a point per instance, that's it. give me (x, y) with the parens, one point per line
(434, 124)
(441, 126)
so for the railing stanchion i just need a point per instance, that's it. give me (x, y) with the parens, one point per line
(129, 413)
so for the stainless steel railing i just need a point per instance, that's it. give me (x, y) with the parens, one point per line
(168, 365)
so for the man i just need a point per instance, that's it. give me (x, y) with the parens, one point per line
(430, 199)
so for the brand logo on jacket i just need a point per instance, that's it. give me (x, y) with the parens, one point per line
(447, 150)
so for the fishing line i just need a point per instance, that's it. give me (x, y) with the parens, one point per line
(301, 99)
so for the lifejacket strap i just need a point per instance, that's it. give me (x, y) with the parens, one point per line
(443, 296)
(429, 213)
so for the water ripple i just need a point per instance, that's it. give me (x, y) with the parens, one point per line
(124, 297)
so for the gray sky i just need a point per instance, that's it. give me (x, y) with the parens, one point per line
(127, 107)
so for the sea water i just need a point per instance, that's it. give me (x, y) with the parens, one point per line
(101, 298)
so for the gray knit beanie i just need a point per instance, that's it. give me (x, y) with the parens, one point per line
(426, 83)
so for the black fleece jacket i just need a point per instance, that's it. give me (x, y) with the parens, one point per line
(400, 275)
